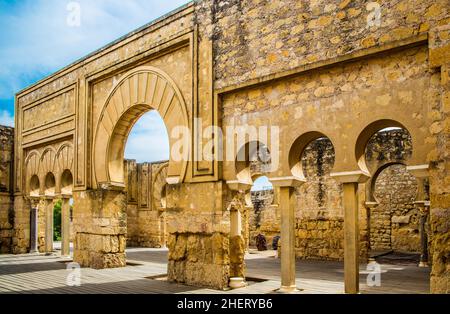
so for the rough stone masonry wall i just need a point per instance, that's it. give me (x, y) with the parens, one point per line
(260, 37)
(263, 217)
(6, 190)
(440, 166)
(145, 187)
(394, 221)
(319, 217)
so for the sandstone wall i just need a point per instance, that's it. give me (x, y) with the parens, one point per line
(392, 224)
(145, 186)
(6, 188)
(260, 37)
(440, 165)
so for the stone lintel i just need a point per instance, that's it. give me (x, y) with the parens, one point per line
(286, 181)
(350, 176)
(419, 171)
(236, 185)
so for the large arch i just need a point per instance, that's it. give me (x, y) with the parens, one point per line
(138, 91)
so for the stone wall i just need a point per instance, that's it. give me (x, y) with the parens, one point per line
(392, 224)
(6, 188)
(440, 165)
(145, 186)
(260, 37)
(264, 217)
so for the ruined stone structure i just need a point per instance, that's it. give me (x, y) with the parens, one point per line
(392, 223)
(341, 70)
(6, 188)
(146, 202)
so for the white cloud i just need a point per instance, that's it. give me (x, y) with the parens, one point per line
(6, 118)
(148, 140)
(36, 39)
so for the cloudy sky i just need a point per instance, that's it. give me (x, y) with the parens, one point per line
(36, 40)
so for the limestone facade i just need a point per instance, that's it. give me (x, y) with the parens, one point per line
(313, 68)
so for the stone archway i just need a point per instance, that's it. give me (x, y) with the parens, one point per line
(138, 91)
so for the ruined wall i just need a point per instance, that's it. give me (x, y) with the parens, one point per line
(6, 188)
(392, 224)
(145, 186)
(261, 37)
(264, 217)
(440, 165)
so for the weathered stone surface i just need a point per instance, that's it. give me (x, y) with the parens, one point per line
(6, 189)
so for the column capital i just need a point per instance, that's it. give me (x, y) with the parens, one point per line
(286, 181)
(357, 176)
(236, 185)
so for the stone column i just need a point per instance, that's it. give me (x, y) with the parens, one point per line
(65, 227)
(34, 227)
(350, 181)
(49, 207)
(287, 240)
(351, 238)
(421, 174)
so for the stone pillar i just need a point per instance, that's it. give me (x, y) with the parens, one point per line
(351, 238)
(423, 241)
(49, 207)
(422, 200)
(34, 227)
(65, 227)
(21, 239)
(350, 181)
(100, 226)
(287, 240)
(286, 187)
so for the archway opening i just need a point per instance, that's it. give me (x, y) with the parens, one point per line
(319, 214)
(145, 165)
(393, 220)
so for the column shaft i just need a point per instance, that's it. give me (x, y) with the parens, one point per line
(49, 225)
(34, 228)
(65, 227)
(351, 238)
(287, 240)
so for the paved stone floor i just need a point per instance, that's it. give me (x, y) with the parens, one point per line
(37, 273)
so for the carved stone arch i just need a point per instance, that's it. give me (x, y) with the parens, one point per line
(63, 166)
(159, 186)
(138, 91)
(32, 170)
(47, 161)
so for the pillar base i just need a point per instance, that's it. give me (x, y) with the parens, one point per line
(423, 264)
(288, 289)
(237, 282)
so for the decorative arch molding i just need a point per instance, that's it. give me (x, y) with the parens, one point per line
(138, 91)
(54, 159)
(47, 162)
(64, 158)
(31, 170)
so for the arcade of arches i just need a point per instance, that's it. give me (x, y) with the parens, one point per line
(315, 69)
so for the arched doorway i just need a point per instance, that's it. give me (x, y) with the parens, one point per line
(138, 91)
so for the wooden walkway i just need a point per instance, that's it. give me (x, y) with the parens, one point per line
(34, 273)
